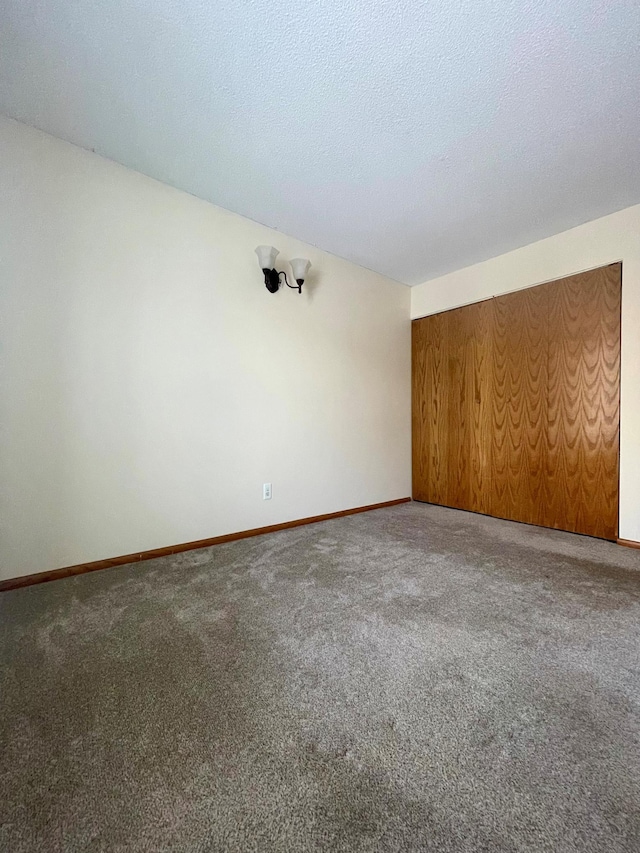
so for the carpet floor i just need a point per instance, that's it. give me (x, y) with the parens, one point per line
(409, 679)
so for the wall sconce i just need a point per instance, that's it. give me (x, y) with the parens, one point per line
(267, 260)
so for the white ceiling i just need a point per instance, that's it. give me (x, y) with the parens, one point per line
(412, 137)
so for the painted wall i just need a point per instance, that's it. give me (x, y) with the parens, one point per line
(150, 384)
(603, 241)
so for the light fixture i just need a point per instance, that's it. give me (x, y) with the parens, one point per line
(267, 260)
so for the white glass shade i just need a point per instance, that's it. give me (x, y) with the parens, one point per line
(300, 267)
(266, 257)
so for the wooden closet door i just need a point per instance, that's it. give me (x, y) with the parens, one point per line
(519, 405)
(584, 402)
(469, 406)
(430, 441)
(451, 407)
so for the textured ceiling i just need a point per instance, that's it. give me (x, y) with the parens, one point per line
(411, 137)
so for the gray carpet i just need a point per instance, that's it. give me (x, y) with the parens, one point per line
(410, 679)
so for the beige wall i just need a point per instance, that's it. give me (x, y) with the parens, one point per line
(612, 238)
(150, 384)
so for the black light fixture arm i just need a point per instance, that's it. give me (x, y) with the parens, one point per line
(272, 281)
(298, 286)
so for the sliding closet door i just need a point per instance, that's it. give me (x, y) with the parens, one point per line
(519, 405)
(516, 405)
(469, 406)
(584, 402)
(430, 366)
(451, 411)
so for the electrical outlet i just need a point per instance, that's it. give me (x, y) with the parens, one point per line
(266, 491)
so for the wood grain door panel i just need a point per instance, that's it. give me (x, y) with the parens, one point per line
(469, 410)
(519, 405)
(584, 402)
(430, 433)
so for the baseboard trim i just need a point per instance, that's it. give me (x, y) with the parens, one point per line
(69, 571)
(628, 543)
